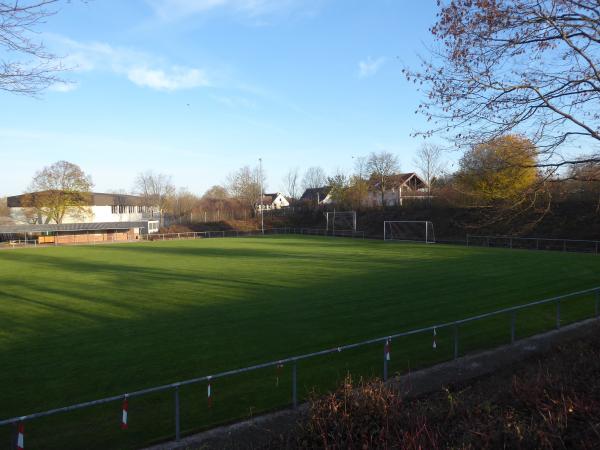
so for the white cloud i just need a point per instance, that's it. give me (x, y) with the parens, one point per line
(370, 67)
(178, 9)
(64, 87)
(172, 79)
(140, 68)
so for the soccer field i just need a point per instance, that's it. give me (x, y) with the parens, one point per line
(80, 323)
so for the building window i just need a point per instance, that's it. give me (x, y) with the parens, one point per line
(113, 209)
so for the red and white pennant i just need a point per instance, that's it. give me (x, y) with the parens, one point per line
(387, 349)
(21, 436)
(209, 394)
(124, 417)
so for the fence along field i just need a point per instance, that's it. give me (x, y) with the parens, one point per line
(86, 322)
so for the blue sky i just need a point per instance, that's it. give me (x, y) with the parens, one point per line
(198, 88)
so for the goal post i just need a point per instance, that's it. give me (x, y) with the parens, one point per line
(409, 230)
(340, 221)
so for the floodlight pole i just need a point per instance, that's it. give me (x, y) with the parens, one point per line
(262, 213)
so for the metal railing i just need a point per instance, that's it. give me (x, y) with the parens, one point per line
(18, 243)
(533, 243)
(252, 233)
(293, 360)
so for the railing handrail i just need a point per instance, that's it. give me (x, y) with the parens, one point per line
(529, 238)
(291, 359)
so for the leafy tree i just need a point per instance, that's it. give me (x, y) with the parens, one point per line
(57, 189)
(515, 66)
(501, 169)
(339, 184)
(383, 166)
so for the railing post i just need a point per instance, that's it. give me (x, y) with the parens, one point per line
(557, 314)
(455, 341)
(598, 303)
(177, 423)
(564, 245)
(513, 323)
(295, 384)
(385, 362)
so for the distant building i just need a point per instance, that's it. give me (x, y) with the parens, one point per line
(95, 208)
(317, 196)
(96, 218)
(272, 201)
(77, 233)
(400, 188)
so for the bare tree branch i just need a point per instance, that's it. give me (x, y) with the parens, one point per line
(26, 67)
(529, 67)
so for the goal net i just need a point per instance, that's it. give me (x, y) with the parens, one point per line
(409, 230)
(341, 221)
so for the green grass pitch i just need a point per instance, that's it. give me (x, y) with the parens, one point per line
(79, 323)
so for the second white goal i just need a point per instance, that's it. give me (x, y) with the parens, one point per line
(409, 230)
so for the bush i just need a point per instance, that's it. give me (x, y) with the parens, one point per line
(550, 403)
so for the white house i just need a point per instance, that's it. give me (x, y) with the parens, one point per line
(95, 208)
(399, 188)
(273, 201)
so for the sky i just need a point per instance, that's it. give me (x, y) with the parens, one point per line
(196, 89)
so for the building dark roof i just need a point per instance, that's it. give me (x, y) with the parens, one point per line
(409, 179)
(316, 194)
(91, 199)
(53, 227)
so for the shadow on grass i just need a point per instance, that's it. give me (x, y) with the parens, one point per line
(128, 317)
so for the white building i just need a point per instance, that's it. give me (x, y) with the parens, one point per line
(32, 208)
(400, 188)
(273, 201)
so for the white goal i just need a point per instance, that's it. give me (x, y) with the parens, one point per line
(409, 230)
(341, 221)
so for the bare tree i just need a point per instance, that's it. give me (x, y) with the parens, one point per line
(58, 189)
(182, 203)
(314, 177)
(26, 67)
(382, 166)
(361, 167)
(216, 192)
(428, 160)
(156, 189)
(291, 181)
(245, 185)
(4, 211)
(515, 66)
